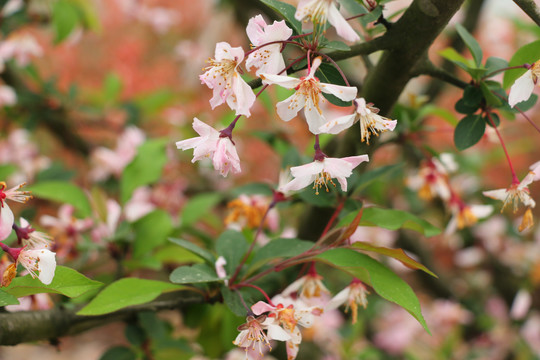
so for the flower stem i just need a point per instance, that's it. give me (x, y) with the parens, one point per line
(256, 288)
(249, 312)
(488, 75)
(515, 179)
(334, 216)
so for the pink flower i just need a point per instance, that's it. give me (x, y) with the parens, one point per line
(223, 77)
(268, 59)
(211, 144)
(159, 18)
(370, 121)
(139, 205)
(252, 336)
(8, 97)
(30, 237)
(320, 172)
(289, 315)
(308, 96)
(523, 87)
(319, 11)
(432, 178)
(6, 215)
(310, 289)
(20, 47)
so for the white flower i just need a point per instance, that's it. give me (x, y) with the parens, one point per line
(6, 215)
(223, 77)
(38, 260)
(370, 121)
(310, 289)
(307, 96)
(523, 87)
(31, 238)
(11, 7)
(353, 295)
(319, 11)
(252, 336)
(320, 172)
(210, 144)
(8, 97)
(267, 59)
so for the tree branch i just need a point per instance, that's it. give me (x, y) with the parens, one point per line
(530, 8)
(427, 68)
(27, 326)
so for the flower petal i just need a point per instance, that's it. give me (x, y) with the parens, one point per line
(6, 221)
(345, 93)
(343, 28)
(522, 89)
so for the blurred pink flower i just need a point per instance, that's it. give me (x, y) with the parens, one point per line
(8, 97)
(521, 305)
(6, 215)
(352, 296)
(139, 205)
(33, 302)
(21, 47)
(432, 177)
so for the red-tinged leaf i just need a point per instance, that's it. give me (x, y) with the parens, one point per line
(397, 254)
(353, 225)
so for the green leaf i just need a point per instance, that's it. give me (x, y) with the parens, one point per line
(455, 57)
(494, 117)
(157, 100)
(279, 248)
(112, 87)
(336, 45)
(198, 207)
(63, 192)
(383, 280)
(65, 18)
(66, 282)
(172, 254)
(198, 273)
(126, 292)
(206, 255)
(6, 170)
(287, 11)
(527, 54)
(392, 219)
(88, 13)
(327, 73)
(119, 353)
(151, 231)
(323, 199)
(471, 43)
(397, 254)
(469, 131)
(366, 178)
(463, 108)
(7, 299)
(491, 99)
(444, 114)
(145, 168)
(234, 302)
(495, 63)
(232, 246)
(473, 96)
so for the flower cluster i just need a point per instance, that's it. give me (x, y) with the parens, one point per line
(34, 254)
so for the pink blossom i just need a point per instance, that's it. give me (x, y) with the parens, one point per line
(139, 205)
(33, 302)
(252, 335)
(20, 47)
(30, 237)
(224, 78)
(267, 59)
(521, 305)
(320, 172)
(6, 215)
(159, 18)
(308, 96)
(210, 144)
(367, 115)
(106, 229)
(320, 11)
(8, 97)
(310, 289)
(432, 178)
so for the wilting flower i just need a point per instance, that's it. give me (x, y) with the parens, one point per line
(319, 11)
(308, 95)
(6, 215)
(320, 172)
(253, 337)
(309, 288)
(248, 211)
(432, 178)
(370, 121)
(267, 59)
(223, 77)
(211, 144)
(464, 215)
(289, 317)
(352, 296)
(523, 87)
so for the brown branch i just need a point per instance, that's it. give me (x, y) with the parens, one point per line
(530, 8)
(27, 326)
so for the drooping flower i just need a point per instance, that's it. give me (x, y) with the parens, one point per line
(224, 78)
(464, 215)
(370, 121)
(320, 172)
(253, 337)
(310, 288)
(352, 296)
(308, 96)
(289, 315)
(523, 87)
(320, 11)
(212, 144)
(6, 215)
(432, 178)
(267, 59)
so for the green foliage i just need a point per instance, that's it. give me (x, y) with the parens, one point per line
(6, 170)
(126, 292)
(66, 282)
(469, 131)
(287, 11)
(151, 231)
(145, 168)
(278, 249)
(198, 207)
(202, 253)
(198, 273)
(471, 44)
(232, 246)
(119, 353)
(335, 45)
(63, 192)
(112, 88)
(65, 18)
(233, 301)
(7, 299)
(527, 54)
(391, 219)
(384, 281)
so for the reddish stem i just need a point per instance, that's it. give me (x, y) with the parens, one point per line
(257, 288)
(526, 66)
(334, 216)
(515, 179)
